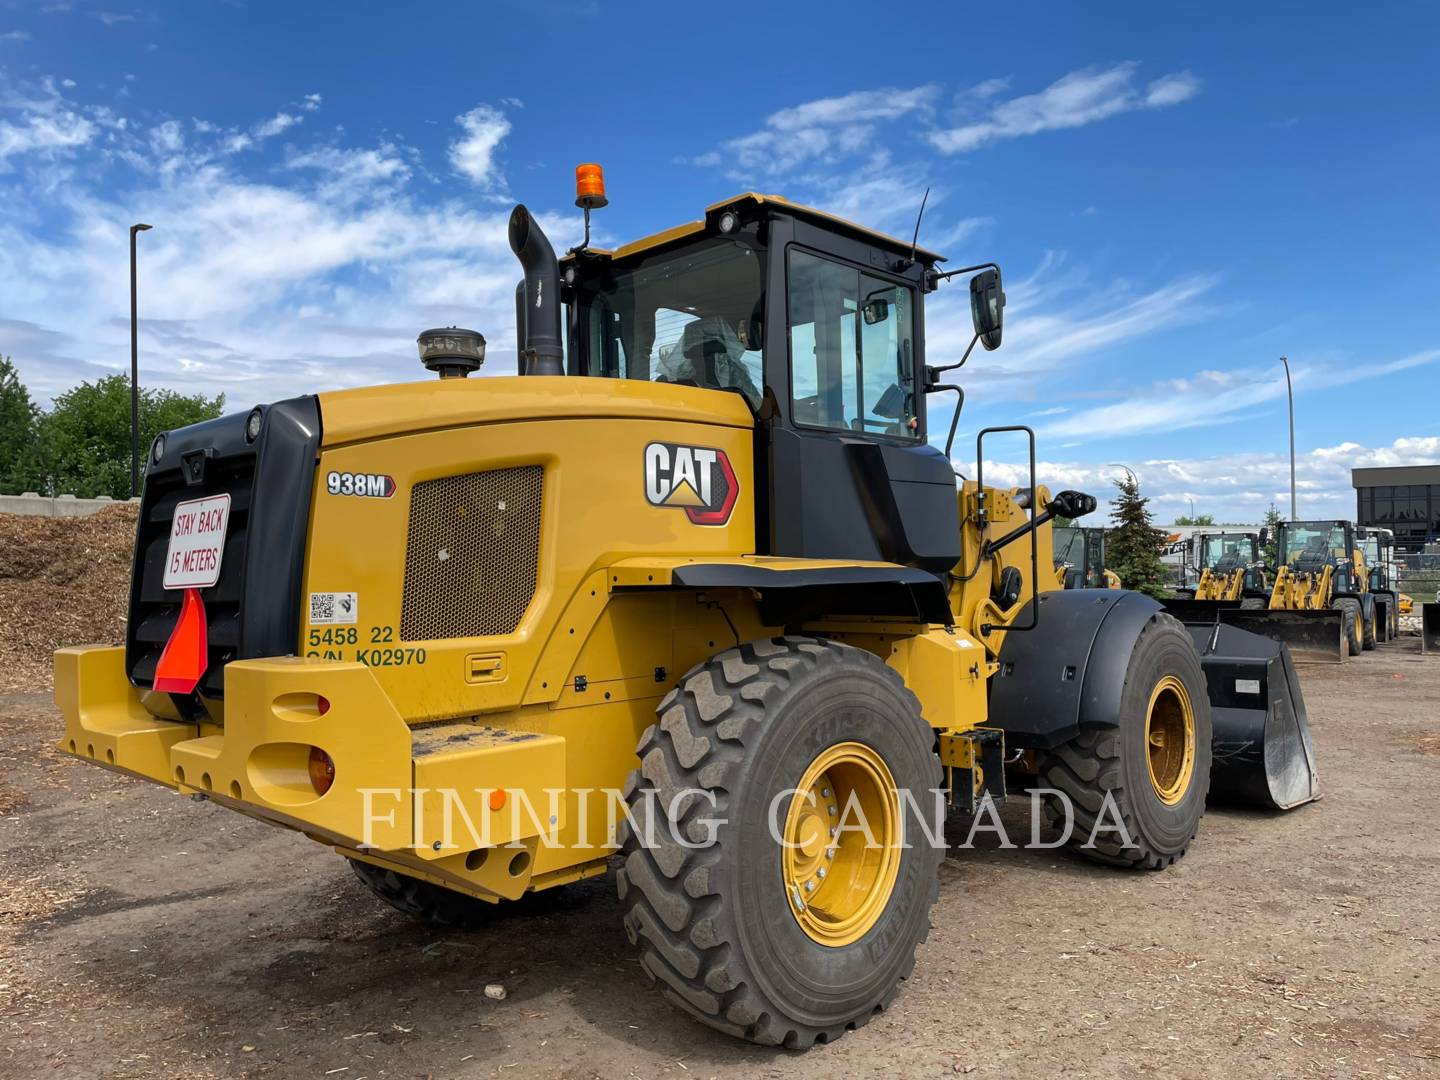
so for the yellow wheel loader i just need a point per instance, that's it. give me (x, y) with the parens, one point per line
(1080, 558)
(694, 587)
(1231, 569)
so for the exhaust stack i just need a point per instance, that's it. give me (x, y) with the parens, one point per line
(539, 332)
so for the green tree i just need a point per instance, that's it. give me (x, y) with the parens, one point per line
(1270, 550)
(1198, 519)
(1132, 547)
(19, 464)
(85, 439)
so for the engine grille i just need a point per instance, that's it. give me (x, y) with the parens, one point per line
(473, 554)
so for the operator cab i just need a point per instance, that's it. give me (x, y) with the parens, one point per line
(818, 324)
(1308, 547)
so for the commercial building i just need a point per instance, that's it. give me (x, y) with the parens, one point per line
(1405, 498)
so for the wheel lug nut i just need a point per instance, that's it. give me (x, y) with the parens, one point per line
(799, 901)
(833, 830)
(832, 810)
(820, 873)
(825, 793)
(809, 886)
(829, 853)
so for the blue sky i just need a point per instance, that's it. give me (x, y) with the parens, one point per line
(1178, 196)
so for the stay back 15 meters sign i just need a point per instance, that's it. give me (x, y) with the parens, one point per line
(197, 543)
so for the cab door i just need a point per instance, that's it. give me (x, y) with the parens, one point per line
(851, 475)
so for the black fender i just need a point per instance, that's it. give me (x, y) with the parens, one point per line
(798, 594)
(1068, 673)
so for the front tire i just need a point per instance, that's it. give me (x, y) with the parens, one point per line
(782, 945)
(1153, 766)
(1350, 607)
(422, 900)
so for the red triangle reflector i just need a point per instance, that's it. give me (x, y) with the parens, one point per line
(184, 659)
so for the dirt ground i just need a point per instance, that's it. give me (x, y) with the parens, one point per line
(143, 935)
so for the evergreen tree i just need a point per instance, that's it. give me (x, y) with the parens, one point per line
(1270, 550)
(1132, 547)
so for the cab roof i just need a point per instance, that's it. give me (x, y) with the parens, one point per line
(778, 202)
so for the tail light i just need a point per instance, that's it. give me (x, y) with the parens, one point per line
(322, 770)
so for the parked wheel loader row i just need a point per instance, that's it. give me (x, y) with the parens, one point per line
(1329, 596)
(693, 586)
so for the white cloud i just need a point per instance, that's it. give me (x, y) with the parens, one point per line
(1074, 100)
(45, 124)
(1235, 487)
(854, 108)
(350, 173)
(1227, 396)
(315, 275)
(14, 35)
(825, 129)
(473, 154)
(281, 121)
(310, 102)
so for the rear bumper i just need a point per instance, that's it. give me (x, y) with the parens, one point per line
(420, 800)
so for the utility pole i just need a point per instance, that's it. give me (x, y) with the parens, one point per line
(1290, 393)
(134, 373)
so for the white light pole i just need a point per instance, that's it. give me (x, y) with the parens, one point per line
(1290, 393)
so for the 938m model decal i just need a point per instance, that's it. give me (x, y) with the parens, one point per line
(366, 485)
(696, 479)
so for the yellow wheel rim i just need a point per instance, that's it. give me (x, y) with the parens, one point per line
(841, 851)
(1170, 740)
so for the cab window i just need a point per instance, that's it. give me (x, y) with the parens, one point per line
(851, 349)
(692, 317)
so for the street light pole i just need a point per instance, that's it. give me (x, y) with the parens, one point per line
(134, 373)
(1290, 393)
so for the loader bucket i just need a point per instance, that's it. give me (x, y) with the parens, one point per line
(1261, 754)
(1316, 637)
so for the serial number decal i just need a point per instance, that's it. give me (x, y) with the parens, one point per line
(400, 656)
(342, 635)
(365, 485)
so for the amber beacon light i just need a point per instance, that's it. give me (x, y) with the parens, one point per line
(590, 186)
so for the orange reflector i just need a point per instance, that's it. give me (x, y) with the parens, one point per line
(184, 658)
(322, 770)
(590, 186)
(497, 799)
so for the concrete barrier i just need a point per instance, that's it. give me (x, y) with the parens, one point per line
(59, 506)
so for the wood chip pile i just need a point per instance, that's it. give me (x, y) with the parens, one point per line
(63, 581)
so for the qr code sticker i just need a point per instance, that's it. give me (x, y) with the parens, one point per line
(333, 608)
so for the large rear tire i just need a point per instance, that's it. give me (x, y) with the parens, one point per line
(1150, 772)
(1367, 634)
(781, 946)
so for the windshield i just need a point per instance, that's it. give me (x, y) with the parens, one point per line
(1220, 552)
(692, 317)
(1069, 546)
(1316, 542)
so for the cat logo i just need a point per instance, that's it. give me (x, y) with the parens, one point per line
(695, 479)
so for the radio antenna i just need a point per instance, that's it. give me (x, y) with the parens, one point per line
(914, 240)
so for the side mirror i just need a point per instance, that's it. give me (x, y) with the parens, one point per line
(1264, 536)
(987, 307)
(875, 311)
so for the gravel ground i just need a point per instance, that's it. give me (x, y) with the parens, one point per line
(146, 935)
